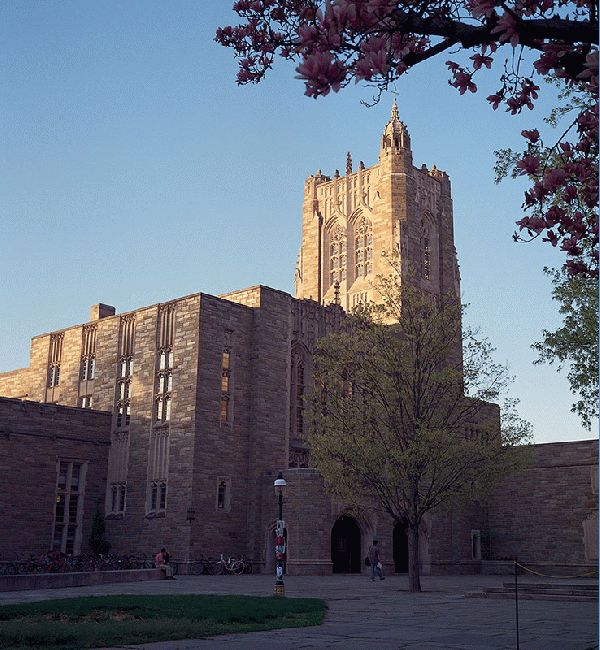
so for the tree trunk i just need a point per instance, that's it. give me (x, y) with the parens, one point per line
(414, 579)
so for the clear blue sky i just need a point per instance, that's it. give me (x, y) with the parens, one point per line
(133, 170)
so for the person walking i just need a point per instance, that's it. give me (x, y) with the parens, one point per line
(375, 560)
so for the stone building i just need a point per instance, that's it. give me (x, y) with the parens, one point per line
(201, 400)
(53, 463)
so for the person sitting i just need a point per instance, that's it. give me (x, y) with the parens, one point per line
(162, 561)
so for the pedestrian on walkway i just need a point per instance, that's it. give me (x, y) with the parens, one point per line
(375, 560)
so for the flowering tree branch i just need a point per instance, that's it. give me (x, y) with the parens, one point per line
(335, 42)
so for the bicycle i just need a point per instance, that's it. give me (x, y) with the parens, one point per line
(231, 565)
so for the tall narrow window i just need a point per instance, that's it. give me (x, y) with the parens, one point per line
(363, 248)
(299, 372)
(85, 401)
(54, 359)
(70, 483)
(164, 372)
(223, 501)
(221, 491)
(158, 497)
(337, 255)
(125, 372)
(116, 498)
(225, 414)
(164, 388)
(88, 353)
(158, 469)
(300, 397)
(158, 459)
(426, 258)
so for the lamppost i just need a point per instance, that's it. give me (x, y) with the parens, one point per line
(279, 485)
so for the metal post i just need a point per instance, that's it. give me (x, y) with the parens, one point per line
(280, 546)
(517, 603)
(279, 585)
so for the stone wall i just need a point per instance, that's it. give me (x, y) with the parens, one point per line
(15, 383)
(549, 512)
(33, 439)
(139, 529)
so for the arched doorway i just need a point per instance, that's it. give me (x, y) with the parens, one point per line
(400, 543)
(345, 545)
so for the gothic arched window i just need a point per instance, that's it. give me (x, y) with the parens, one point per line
(300, 371)
(363, 248)
(337, 255)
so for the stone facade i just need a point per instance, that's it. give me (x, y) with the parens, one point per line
(15, 383)
(201, 404)
(548, 513)
(36, 440)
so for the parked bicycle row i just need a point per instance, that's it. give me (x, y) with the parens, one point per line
(208, 566)
(57, 562)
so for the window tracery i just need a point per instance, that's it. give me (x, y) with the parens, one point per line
(337, 254)
(164, 372)
(125, 372)
(55, 356)
(363, 247)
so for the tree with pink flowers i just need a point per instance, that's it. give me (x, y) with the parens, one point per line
(336, 42)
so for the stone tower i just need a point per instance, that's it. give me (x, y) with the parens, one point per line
(350, 222)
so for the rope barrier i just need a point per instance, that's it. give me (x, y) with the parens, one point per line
(547, 575)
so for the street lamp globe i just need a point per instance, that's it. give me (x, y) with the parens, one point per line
(279, 484)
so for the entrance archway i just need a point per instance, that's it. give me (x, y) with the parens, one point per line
(400, 543)
(345, 545)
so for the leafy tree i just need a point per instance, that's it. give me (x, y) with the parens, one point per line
(98, 542)
(336, 42)
(392, 427)
(576, 342)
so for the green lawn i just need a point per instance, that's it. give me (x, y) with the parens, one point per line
(119, 620)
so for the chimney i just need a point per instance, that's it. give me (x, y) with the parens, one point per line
(101, 311)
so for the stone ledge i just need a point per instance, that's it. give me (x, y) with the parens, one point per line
(61, 580)
(507, 567)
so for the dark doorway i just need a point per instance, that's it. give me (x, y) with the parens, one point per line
(345, 545)
(400, 549)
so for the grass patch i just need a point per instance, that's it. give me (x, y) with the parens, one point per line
(122, 620)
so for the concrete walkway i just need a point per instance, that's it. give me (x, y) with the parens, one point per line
(379, 615)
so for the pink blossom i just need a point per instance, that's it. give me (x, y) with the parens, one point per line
(481, 8)
(529, 165)
(479, 61)
(533, 136)
(553, 178)
(322, 73)
(506, 29)
(494, 100)
(569, 194)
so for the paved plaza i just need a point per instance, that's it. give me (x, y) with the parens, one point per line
(379, 615)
